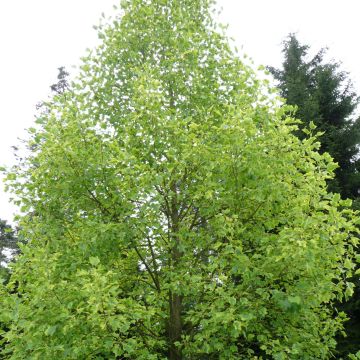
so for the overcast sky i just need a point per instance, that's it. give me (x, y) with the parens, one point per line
(38, 36)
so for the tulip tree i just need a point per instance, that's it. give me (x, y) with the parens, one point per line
(170, 211)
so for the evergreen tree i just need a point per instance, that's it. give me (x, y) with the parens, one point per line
(324, 95)
(172, 212)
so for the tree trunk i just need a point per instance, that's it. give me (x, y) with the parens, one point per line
(175, 300)
(175, 325)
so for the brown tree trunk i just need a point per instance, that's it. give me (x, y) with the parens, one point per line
(175, 326)
(175, 299)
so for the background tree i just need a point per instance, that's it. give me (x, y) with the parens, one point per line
(8, 244)
(172, 213)
(62, 84)
(324, 94)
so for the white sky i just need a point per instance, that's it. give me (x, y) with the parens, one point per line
(38, 36)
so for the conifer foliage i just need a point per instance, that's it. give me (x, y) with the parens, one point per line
(324, 95)
(172, 213)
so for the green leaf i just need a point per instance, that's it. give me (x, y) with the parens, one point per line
(294, 300)
(50, 331)
(94, 260)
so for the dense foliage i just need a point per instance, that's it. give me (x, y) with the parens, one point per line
(171, 212)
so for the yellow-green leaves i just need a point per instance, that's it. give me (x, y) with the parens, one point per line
(94, 260)
(171, 212)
